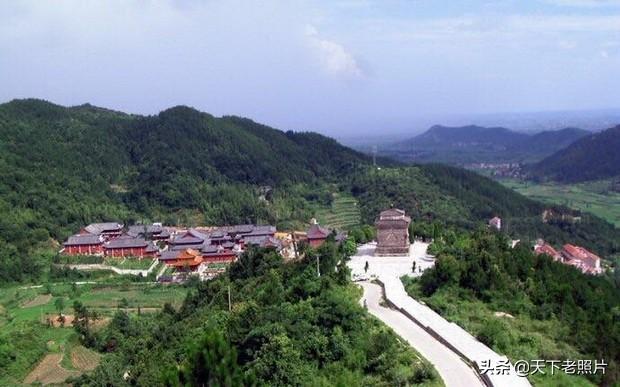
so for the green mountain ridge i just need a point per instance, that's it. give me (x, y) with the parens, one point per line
(264, 320)
(477, 144)
(591, 158)
(64, 167)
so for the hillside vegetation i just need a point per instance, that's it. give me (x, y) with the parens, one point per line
(285, 326)
(447, 195)
(343, 214)
(591, 158)
(598, 197)
(62, 168)
(65, 167)
(555, 311)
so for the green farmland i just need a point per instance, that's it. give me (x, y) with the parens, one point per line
(343, 214)
(595, 197)
(49, 354)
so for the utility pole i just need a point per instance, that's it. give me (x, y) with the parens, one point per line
(318, 272)
(229, 305)
(295, 245)
(374, 155)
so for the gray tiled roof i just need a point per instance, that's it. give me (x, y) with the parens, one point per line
(254, 240)
(242, 228)
(152, 248)
(169, 254)
(83, 239)
(195, 246)
(190, 237)
(138, 229)
(262, 230)
(99, 228)
(125, 242)
(271, 241)
(209, 249)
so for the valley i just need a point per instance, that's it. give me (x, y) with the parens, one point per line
(309, 193)
(187, 169)
(596, 197)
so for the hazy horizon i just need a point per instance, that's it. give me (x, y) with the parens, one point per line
(342, 68)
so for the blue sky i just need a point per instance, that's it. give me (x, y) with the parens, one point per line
(338, 67)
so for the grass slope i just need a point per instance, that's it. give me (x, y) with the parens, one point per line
(594, 197)
(343, 214)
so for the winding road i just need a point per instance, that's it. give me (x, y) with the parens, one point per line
(454, 371)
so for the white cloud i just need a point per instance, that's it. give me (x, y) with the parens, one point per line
(334, 58)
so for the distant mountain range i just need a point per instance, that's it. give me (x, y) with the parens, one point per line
(477, 144)
(593, 157)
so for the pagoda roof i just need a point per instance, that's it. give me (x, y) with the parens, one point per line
(393, 214)
(317, 232)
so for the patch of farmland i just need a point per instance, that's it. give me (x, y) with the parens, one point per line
(49, 371)
(39, 300)
(84, 359)
(343, 214)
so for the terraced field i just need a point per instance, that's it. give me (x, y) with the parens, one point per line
(343, 214)
(84, 359)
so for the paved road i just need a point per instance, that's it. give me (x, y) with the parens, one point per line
(452, 369)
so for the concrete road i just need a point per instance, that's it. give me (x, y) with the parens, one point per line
(452, 369)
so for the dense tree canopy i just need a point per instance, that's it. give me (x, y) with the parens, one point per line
(284, 326)
(518, 282)
(593, 157)
(61, 168)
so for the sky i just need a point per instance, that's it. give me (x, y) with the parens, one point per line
(339, 67)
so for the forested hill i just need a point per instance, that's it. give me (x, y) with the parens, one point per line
(84, 158)
(62, 168)
(179, 138)
(476, 144)
(591, 158)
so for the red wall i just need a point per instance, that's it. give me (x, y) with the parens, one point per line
(315, 242)
(83, 249)
(219, 258)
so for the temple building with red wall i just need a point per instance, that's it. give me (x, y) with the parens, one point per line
(317, 235)
(128, 246)
(83, 244)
